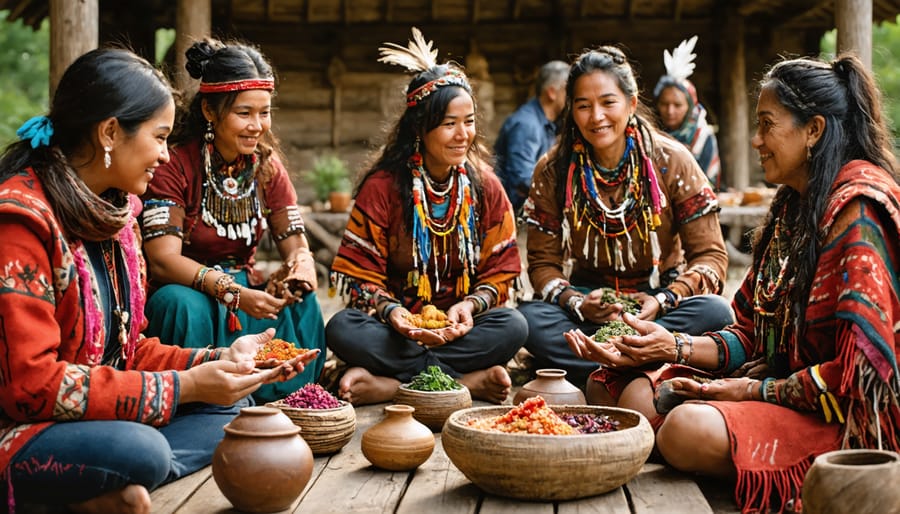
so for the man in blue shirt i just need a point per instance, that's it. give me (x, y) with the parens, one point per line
(530, 131)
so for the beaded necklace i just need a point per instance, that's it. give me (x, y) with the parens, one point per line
(431, 229)
(639, 209)
(770, 296)
(123, 317)
(230, 202)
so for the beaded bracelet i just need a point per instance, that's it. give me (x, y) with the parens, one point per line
(771, 392)
(480, 303)
(387, 310)
(766, 387)
(679, 347)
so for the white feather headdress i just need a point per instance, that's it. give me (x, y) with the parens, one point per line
(680, 63)
(418, 56)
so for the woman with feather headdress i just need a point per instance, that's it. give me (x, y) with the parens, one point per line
(681, 114)
(431, 226)
(618, 206)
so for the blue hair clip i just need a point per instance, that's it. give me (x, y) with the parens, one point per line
(37, 130)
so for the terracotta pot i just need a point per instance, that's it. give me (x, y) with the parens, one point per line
(434, 407)
(853, 481)
(262, 464)
(552, 386)
(340, 201)
(398, 442)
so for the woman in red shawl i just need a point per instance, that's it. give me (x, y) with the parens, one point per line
(92, 414)
(431, 225)
(811, 363)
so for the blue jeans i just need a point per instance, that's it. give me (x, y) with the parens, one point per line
(71, 462)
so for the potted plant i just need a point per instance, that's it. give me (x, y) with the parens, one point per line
(330, 180)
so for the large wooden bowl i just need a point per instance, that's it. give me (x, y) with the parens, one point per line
(324, 430)
(548, 467)
(434, 407)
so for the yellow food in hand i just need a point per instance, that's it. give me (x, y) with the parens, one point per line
(431, 318)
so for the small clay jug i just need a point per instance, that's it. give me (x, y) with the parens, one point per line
(262, 464)
(853, 481)
(398, 442)
(552, 386)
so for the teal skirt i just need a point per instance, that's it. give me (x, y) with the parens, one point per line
(182, 316)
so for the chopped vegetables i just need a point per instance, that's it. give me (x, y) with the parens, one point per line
(433, 379)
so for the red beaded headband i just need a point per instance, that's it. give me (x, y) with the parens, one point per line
(237, 85)
(452, 78)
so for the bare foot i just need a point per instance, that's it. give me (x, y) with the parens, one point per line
(491, 384)
(360, 387)
(132, 498)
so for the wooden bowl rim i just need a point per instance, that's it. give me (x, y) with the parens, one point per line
(279, 404)
(405, 388)
(454, 421)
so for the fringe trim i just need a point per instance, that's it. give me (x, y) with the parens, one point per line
(11, 498)
(755, 489)
(93, 317)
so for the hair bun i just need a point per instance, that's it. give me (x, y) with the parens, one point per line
(198, 56)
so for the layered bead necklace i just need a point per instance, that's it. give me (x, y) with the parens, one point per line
(230, 201)
(639, 209)
(439, 212)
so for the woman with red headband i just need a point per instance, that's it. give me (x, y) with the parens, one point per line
(206, 210)
(431, 226)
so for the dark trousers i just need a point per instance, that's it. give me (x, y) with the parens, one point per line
(547, 323)
(362, 340)
(74, 461)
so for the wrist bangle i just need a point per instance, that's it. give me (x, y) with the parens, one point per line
(199, 277)
(386, 312)
(573, 304)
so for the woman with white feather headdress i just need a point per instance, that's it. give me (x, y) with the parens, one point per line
(431, 226)
(682, 115)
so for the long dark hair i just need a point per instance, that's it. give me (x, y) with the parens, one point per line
(415, 122)
(612, 61)
(212, 61)
(845, 94)
(101, 84)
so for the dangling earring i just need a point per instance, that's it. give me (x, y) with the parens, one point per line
(808, 153)
(416, 146)
(210, 135)
(415, 160)
(107, 159)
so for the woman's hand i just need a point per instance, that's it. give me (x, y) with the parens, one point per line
(246, 347)
(260, 304)
(649, 306)
(222, 382)
(399, 320)
(652, 344)
(723, 389)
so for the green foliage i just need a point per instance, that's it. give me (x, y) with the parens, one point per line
(24, 74)
(165, 38)
(433, 379)
(885, 66)
(329, 173)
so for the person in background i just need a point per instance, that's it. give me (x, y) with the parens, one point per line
(681, 114)
(811, 364)
(207, 209)
(529, 132)
(617, 207)
(431, 227)
(93, 415)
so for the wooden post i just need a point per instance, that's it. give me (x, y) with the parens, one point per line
(74, 30)
(193, 20)
(734, 131)
(853, 19)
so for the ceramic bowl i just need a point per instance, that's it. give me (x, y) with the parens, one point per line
(433, 407)
(324, 430)
(548, 467)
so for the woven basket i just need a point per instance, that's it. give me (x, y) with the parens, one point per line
(324, 430)
(433, 407)
(548, 467)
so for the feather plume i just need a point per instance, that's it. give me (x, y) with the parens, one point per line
(680, 63)
(417, 57)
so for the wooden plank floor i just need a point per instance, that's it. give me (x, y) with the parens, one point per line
(345, 482)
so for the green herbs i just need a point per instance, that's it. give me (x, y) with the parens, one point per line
(631, 305)
(612, 329)
(433, 379)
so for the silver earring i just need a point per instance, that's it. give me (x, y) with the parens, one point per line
(210, 134)
(107, 159)
(808, 153)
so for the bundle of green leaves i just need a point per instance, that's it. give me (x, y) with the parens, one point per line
(631, 305)
(433, 379)
(612, 329)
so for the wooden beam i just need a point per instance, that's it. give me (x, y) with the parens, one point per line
(679, 4)
(193, 21)
(434, 9)
(389, 11)
(734, 130)
(476, 8)
(74, 30)
(582, 8)
(516, 9)
(853, 19)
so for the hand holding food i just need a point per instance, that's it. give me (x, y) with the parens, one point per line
(431, 318)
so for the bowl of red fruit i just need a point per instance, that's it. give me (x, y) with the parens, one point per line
(535, 451)
(326, 423)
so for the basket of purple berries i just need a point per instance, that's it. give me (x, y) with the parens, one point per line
(326, 423)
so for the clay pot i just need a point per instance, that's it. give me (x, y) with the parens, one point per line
(262, 464)
(852, 481)
(552, 386)
(433, 407)
(398, 442)
(340, 201)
